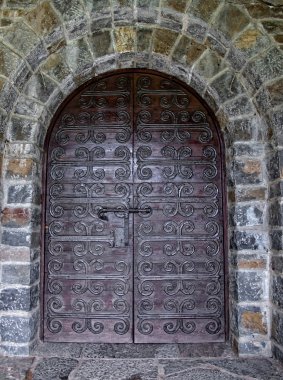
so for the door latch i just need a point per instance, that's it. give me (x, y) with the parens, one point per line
(134, 210)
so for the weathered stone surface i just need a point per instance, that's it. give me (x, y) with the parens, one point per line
(21, 129)
(275, 90)
(24, 299)
(273, 165)
(247, 171)
(276, 238)
(249, 194)
(277, 290)
(187, 51)
(252, 261)
(249, 286)
(43, 19)
(21, 169)
(57, 349)
(77, 28)
(112, 370)
(217, 42)
(210, 64)
(123, 12)
(196, 29)
(18, 329)
(265, 67)
(23, 193)
(244, 129)
(249, 150)
(98, 7)
(178, 6)
(16, 217)
(8, 97)
(264, 10)
(171, 20)
(144, 37)
(22, 274)
(239, 106)
(10, 254)
(100, 23)
(148, 3)
(253, 320)
(69, 10)
(16, 238)
(203, 10)
(163, 41)
(230, 20)
(227, 85)
(276, 121)
(18, 4)
(252, 41)
(248, 240)
(56, 67)
(28, 107)
(277, 326)
(78, 55)
(247, 215)
(277, 261)
(276, 214)
(9, 61)
(125, 39)
(54, 369)
(21, 37)
(101, 43)
(277, 352)
(21, 75)
(40, 87)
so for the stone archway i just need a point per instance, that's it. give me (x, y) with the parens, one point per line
(241, 89)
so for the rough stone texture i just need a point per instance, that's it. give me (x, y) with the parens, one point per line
(230, 52)
(24, 299)
(18, 329)
(188, 51)
(54, 368)
(112, 370)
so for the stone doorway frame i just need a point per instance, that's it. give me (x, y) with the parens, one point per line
(246, 236)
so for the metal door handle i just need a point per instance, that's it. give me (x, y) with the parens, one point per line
(134, 210)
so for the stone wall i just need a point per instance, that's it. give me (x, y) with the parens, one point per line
(230, 52)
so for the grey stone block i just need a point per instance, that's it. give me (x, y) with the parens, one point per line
(247, 215)
(18, 329)
(24, 299)
(277, 327)
(37, 55)
(250, 286)
(277, 290)
(23, 193)
(241, 240)
(276, 214)
(54, 369)
(276, 238)
(112, 370)
(239, 107)
(23, 274)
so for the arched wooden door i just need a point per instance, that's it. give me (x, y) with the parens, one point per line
(134, 228)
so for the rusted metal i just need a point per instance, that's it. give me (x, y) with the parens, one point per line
(134, 250)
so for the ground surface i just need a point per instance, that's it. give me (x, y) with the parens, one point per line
(136, 362)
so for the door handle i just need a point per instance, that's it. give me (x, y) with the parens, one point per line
(134, 210)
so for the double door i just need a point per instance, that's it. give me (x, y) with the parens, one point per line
(134, 216)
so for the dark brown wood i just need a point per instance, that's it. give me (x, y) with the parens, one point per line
(134, 238)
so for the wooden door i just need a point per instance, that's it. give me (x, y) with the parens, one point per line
(134, 228)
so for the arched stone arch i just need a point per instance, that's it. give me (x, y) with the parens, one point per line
(236, 72)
